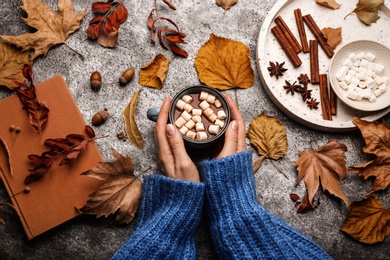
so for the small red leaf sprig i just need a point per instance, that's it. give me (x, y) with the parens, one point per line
(37, 111)
(71, 146)
(168, 37)
(303, 205)
(108, 18)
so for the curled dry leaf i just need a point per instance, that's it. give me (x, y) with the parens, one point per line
(377, 138)
(257, 163)
(130, 124)
(52, 28)
(7, 152)
(367, 11)
(8, 205)
(333, 36)
(368, 221)
(154, 73)
(226, 4)
(120, 193)
(224, 64)
(38, 111)
(268, 136)
(332, 4)
(13, 61)
(326, 164)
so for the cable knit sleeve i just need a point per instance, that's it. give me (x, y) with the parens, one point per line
(239, 226)
(168, 217)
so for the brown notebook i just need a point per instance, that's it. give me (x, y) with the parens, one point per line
(55, 197)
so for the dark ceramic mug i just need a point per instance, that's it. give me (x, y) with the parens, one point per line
(152, 114)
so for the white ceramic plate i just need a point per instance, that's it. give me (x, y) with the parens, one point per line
(382, 56)
(268, 49)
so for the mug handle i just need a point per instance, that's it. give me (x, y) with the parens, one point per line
(152, 113)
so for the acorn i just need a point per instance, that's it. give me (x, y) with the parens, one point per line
(100, 117)
(96, 80)
(127, 75)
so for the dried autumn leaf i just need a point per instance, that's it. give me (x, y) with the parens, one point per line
(12, 61)
(332, 4)
(4, 204)
(52, 28)
(333, 36)
(108, 40)
(224, 64)
(368, 221)
(269, 137)
(130, 124)
(326, 164)
(120, 193)
(257, 163)
(153, 74)
(8, 153)
(377, 138)
(367, 10)
(226, 4)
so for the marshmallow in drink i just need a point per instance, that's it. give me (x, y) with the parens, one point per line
(210, 99)
(188, 108)
(190, 124)
(187, 116)
(183, 130)
(214, 129)
(221, 114)
(187, 98)
(191, 134)
(199, 127)
(200, 136)
(197, 119)
(352, 57)
(203, 95)
(217, 103)
(220, 123)
(196, 111)
(180, 122)
(204, 104)
(180, 104)
(369, 56)
(208, 111)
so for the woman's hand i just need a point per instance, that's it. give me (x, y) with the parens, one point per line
(235, 133)
(172, 156)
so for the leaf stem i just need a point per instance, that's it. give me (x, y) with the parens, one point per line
(279, 169)
(76, 51)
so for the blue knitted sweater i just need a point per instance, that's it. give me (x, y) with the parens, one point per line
(240, 228)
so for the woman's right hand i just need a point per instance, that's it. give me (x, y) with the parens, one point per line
(235, 133)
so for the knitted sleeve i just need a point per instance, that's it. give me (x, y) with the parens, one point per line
(168, 217)
(239, 226)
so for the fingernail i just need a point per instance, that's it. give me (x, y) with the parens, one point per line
(234, 125)
(170, 129)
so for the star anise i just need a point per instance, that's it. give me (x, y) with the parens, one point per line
(305, 92)
(304, 79)
(291, 88)
(276, 69)
(312, 103)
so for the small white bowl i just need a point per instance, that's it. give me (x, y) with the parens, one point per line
(382, 56)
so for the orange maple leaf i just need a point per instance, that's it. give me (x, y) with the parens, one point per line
(377, 138)
(326, 164)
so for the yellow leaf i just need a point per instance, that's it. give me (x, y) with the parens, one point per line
(327, 164)
(224, 64)
(226, 4)
(131, 127)
(367, 10)
(154, 73)
(332, 4)
(269, 137)
(120, 193)
(52, 28)
(368, 221)
(333, 36)
(12, 61)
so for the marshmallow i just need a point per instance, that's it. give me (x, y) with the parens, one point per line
(208, 111)
(214, 129)
(187, 98)
(196, 111)
(196, 118)
(191, 134)
(188, 108)
(369, 56)
(348, 63)
(199, 127)
(217, 103)
(210, 99)
(203, 95)
(190, 124)
(343, 85)
(221, 114)
(204, 104)
(353, 57)
(183, 130)
(200, 136)
(352, 94)
(213, 117)
(180, 104)
(180, 122)
(379, 69)
(220, 123)
(186, 115)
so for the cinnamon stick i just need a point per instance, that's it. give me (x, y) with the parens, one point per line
(333, 101)
(286, 46)
(314, 63)
(301, 30)
(289, 35)
(318, 35)
(325, 104)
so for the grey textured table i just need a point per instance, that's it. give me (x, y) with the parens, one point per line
(89, 238)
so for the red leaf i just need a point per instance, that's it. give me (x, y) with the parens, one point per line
(101, 7)
(174, 39)
(160, 40)
(113, 18)
(172, 6)
(107, 27)
(90, 131)
(152, 29)
(122, 13)
(177, 50)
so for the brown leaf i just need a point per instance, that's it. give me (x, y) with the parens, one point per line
(130, 124)
(8, 154)
(153, 74)
(333, 36)
(332, 4)
(326, 164)
(367, 10)
(13, 61)
(38, 111)
(120, 193)
(224, 64)
(269, 137)
(226, 4)
(108, 40)
(4, 204)
(257, 164)
(377, 138)
(368, 221)
(52, 28)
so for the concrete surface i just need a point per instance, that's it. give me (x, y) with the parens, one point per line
(89, 238)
